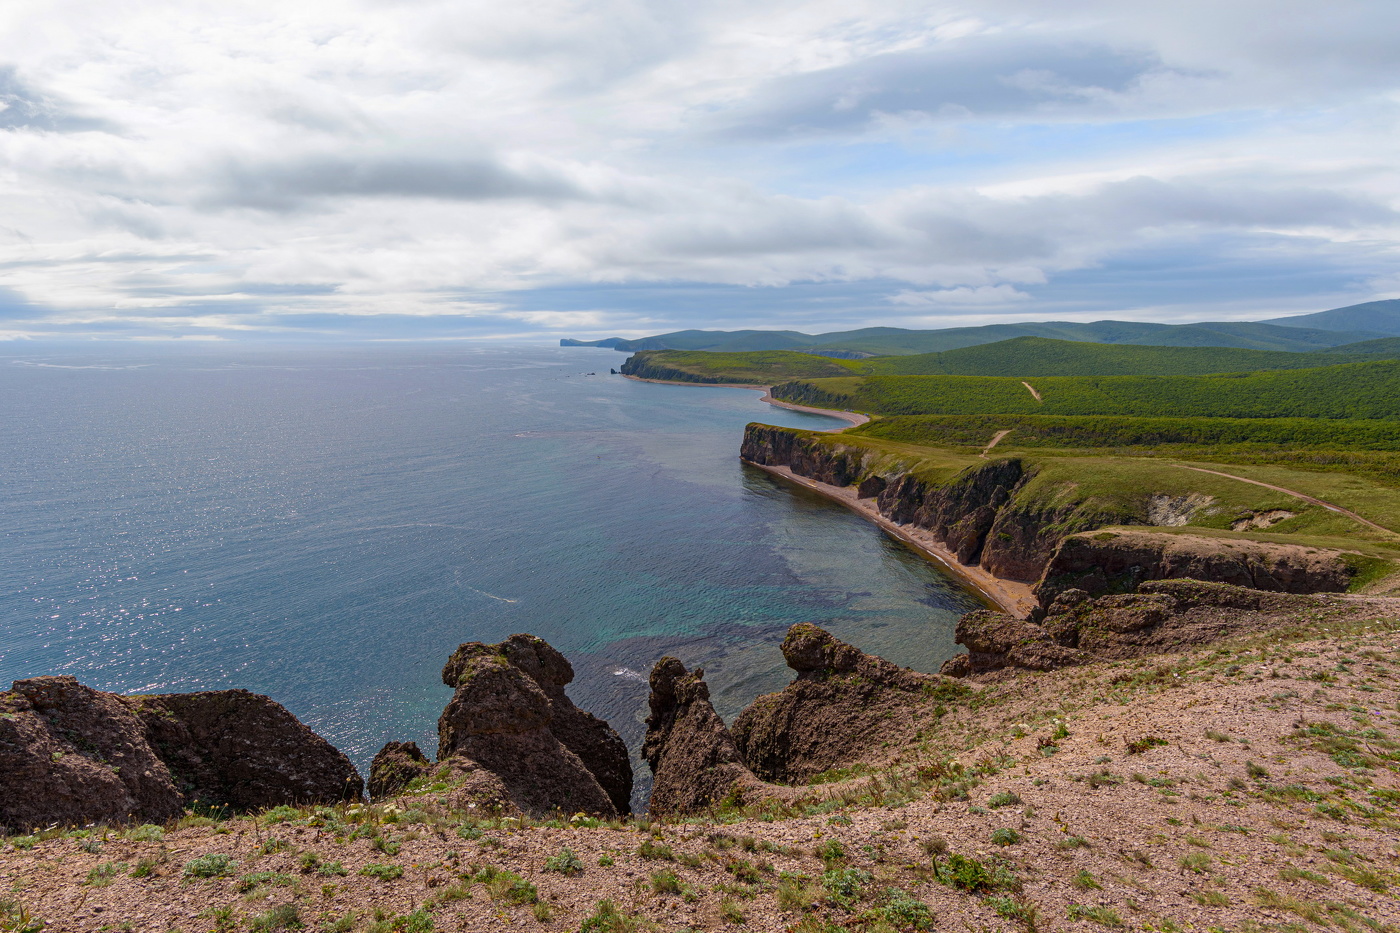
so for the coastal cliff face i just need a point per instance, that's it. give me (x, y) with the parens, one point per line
(70, 754)
(1118, 561)
(1163, 616)
(985, 515)
(510, 738)
(643, 365)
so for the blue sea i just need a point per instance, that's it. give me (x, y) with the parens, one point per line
(326, 525)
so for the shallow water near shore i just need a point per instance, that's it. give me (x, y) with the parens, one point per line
(325, 526)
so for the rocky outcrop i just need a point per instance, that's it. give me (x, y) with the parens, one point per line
(73, 755)
(510, 716)
(395, 766)
(842, 704)
(693, 758)
(1163, 616)
(1119, 561)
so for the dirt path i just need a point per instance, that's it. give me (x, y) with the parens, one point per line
(1298, 495)
(1032, 390)
(1009, 595)
(996, 439)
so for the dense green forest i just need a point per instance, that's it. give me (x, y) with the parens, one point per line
(1058, 431)
(1369, 390)
(1022, 357)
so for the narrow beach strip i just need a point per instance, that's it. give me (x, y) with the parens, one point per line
(852, 418)
(1009, 596)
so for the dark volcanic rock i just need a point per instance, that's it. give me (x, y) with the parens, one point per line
(244, 750)
(73, 755)
(396, 765)
(692, 755)
(510, 716)
(842, 705)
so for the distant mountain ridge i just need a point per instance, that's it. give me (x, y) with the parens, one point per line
(1323, 330)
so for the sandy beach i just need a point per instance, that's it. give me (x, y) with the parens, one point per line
(1007, 595)
(852, 418)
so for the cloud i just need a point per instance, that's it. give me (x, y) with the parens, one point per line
(976, 77)
(23, 107)
(962, 295)
(382, 167)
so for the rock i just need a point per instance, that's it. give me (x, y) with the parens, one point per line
(1122, 560)
(693, 758)
(597, 744)
(396, 765)
(995, 640)
(871, 487)
(509, 716)
(959, 665)
(244, 750)
(73, 755)
(842, 705)
(1165, 615)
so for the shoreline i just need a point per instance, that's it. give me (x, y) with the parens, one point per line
(852, 418)
(1009, 596)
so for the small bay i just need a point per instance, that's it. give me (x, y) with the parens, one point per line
(326, 525)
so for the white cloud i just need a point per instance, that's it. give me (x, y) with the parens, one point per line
(236, 166)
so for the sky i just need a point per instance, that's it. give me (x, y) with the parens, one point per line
(332, 170)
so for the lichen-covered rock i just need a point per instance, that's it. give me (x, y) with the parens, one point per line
(842, 705)
(395, 766)
(510, 716)
(692, 755)
(72, 755)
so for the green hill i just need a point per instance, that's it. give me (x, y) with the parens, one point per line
(1384, 348)
(1041, 356)
(756, 368)
(1368, 390)
(1297, 337)
(1379, 317)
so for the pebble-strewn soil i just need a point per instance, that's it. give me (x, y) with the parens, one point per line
(1247, 787)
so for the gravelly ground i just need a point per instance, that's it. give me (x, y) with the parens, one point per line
(1251, 787)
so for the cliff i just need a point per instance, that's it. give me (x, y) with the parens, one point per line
(1162, 616)
(988, 515)
(1121, 559)
(72, 755)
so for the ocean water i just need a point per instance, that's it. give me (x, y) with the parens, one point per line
(326, 525)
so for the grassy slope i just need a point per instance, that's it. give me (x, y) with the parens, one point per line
(1368, 390)
(757, 368)
(1042, 356)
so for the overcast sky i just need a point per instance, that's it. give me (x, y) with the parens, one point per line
(544, 168)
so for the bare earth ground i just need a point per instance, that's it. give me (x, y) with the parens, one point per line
(1246, 788)
(1010, 596)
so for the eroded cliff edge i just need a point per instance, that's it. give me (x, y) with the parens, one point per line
(996, 517)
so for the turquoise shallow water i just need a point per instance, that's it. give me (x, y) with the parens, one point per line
(325, 526)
